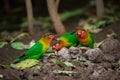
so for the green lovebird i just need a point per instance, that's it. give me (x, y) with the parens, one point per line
(66, 40)
(85, 38)
(38, 49)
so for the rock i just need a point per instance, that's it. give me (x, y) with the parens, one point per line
(31, 73)
(89, 64)
(64, 53)
(109, 57)
(95, 55)
(109, 45)
(98, 71)
(95, 74)
(75, 52)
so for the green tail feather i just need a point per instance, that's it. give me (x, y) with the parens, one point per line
(23, 57)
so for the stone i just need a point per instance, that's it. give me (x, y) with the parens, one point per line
(95, 55)
(109, 44)
(64, 53)
(75, 52)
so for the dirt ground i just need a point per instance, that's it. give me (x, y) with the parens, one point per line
(101, 63)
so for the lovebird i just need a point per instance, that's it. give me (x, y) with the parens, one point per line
(38, 49)
(85, 38)
(66, 40)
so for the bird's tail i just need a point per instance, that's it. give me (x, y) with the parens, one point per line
(5, 66)
(21, 58)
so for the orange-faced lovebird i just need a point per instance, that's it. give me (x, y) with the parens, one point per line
(85, 38)
(38, 49)
(66, 40)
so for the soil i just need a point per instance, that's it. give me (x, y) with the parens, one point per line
(101, 63)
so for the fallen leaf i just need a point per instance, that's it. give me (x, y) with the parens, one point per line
(92, 30)
(81, 59)
(99, 24)
(49, 50)
(1, 76)
(69, 64)
(61, 63)
(69, 73)
(112, 35)
(25, 64)
(2, 44)
(18, 45)
(22, 35)
(119, 65)
(97, 45)
(66, 63)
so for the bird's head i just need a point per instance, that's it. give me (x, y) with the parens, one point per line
(56, 46)
(81, 33)
(49, 37)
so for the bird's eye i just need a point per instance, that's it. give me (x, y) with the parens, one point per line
(57, 44)
(50, 36)
(82, 32)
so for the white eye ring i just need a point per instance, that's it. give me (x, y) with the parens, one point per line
(57, 44)
(82, 32)
(50, 36)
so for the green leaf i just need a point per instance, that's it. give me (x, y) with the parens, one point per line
(69, 73)
(69, 64)
(25, 64)
(49, 50)
(66, 63)
(119, 65)
(103, 22)
(81, 59)
(119, 62)
(96, 45)
(61, 63)
(18, 45)
(99, 24)
(2, 44)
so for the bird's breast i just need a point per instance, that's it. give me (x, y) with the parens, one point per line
(85, 40)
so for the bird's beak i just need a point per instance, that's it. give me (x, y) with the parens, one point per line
(53, 47)
(79, 34)
(54, 38)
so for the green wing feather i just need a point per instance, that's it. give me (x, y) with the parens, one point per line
(70, 38)
(35, 52)
(91, 41)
